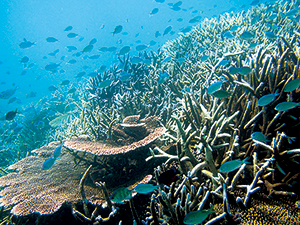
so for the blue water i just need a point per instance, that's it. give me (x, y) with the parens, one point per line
(36, 20)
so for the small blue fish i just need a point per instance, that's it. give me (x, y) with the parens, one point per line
(197, 217)
(163, 77)
(48, 163)
(214, 87)
(232, 165)
(143, 188)
(258, 136)
(292, 85)
(244, 70)
(285, 106)
(266, 99)
(124, 50)
(105, 83)
(121, 194)
(57, 151)
(221, 94)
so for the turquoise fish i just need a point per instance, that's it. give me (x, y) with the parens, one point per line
(258, 136)
(292, 85)
(266, 99)
(197, 217)
(214, 87)
(48, 163)
(124, 50)
(143, 188)
(57, 151)
(285, 106)
(221, 94)
(121, 194)
(232, 165)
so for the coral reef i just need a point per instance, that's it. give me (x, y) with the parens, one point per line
(230, 103)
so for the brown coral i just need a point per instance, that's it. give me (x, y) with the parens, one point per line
(33, 190)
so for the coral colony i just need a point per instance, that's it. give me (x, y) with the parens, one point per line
(217, 109)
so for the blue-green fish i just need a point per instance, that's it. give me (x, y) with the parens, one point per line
(233, 70)
(124, 50)
(72, 35)
(141, 47)
(51, 67)
(214, 87)
(232, 165)
(197, 217)
(266, 99)
(25, 59)
(163, 77)
(244, 70)
(292, 85)
(117, 29)
(121, 194)
(221, 94)
(51, 39)
(285, 106)
(154, 11)
(48, 163)
(167, 30)
(143, 188)
(26, 44)
(246, 35)
(7, 93)
(135, 60)
(93, 41)
(88, 48)
(105, 83)
(270, 35)
(68, 28)
(11, 115)
(258, 136)
(57, 151)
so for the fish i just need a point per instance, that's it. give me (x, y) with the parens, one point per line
(72, 90)
(152, 43)
(270, 35)
(157, 34)
(93, 41)
(258, 136)
(121, 194)
(292, 85)
(285, 106)
(246, 35)
(25, 59)
(124, 50)
(154, 11)
(105, 84)
(227, 34)
(11, 115)
(48, 163)
(72, 35)
(117, 29)
(51, 67)
(71, 48)
(204, 58)
(102, 69)
(266, 99)
(111, 49)
(143, 188)
(68, 28)
(179, 20)
(197, 217)
(11, 100)
(233, 70)
(72, 61)
(57, 150)
(141, 47)
(8, 93)
(186, 29)
(26, 44)
(196, 19)
(234, 28)
(31, 94)
(244, 70)
(214, 87)
(167, 30)
(232, 165)
(52, 88)
(88, 48)
(94, 57)
(163, 77)
(135, 60)
(221, 94)
(51, 39)
(125, 76)
(64, 82)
